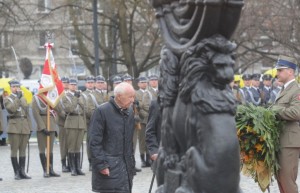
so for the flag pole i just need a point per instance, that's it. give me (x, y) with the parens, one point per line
(48, 139)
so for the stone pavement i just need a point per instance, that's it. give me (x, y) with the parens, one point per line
(78, 184)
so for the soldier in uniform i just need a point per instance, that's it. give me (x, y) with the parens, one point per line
(99, 96)
(116, 80)
(255, 93)
(61, 118)
(244, 91)
(266, 89)
(153, 86)
(287, 106)
(19, 128)
(39, 110)
(143, 114)
(89, 108)
(75, 125)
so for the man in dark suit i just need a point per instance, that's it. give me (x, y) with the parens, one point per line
(153, 138)
(287, 106)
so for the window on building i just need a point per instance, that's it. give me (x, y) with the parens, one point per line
(4, 42)
(42, 38)
(43, 5)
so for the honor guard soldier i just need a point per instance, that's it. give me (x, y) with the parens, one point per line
(75, 125)
(99, 96)
(39, 110)
(153, 86)
(266, 89)
(89, 108)
(19, 128)
(116, 80)
(244, 91)
(62, 135)
(255, 93)
(143, 114)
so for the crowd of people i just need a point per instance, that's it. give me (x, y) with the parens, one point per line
(72, 119)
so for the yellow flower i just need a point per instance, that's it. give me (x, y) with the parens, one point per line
(249, 129)
(258, 147)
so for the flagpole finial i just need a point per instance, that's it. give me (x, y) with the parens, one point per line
(49, 38)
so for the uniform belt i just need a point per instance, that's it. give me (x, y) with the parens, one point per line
(74, 114)
(17, 116)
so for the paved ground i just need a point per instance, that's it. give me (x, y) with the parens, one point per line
(79, 184)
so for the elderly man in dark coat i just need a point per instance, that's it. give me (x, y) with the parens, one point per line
(111, 132)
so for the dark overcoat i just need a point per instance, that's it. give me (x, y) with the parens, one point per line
(111, 145)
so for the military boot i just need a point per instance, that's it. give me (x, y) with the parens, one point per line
(15, 164)
(90, 165)
(143, 165)
(43, 162)
(22, 168)
(71, 157)
(64, 166)
(51, 171)
(77, 162)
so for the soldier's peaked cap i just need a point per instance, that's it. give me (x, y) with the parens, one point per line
(100, 78)
(247, 77)
(142, 79)
(256, 76)
(73, 81)
(64, 79)
(117, 80)
(267, 77)
(286, 62)
(14, 83)
(127, 77)
(153, 77)
(90, 79)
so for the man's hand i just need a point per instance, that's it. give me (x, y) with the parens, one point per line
(77, 94)
(154, 157)
(45, 132)
(105, 171)
(19, 94)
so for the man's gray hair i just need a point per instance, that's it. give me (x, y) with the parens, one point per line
(122, 88)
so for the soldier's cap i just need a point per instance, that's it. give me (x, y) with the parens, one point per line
(73, 81)
(153, 77)
(90, 79)
(267, 77)
(117, 80)
(64, 79)
(247, 77)
(100, 78)
(127, 77)
(286, 62)
(14, 83)
(142, 79)
(255, 76)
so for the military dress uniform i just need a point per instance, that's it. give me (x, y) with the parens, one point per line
(19, 128)
(266, 90)
(287, 105)
(39, 110)
(116, 80)
(75, 125)
(89, 108)
(62, 134)
(144, 98)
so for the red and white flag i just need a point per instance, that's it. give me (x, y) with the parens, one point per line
(51, 88)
